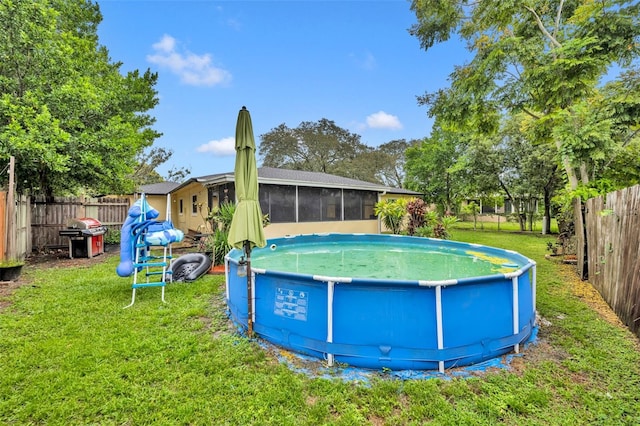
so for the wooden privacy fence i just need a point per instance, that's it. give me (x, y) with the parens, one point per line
(15, 228)
(612, 232)
(49, 216)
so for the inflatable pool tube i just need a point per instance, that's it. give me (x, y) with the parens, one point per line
(128, 239)
(190, 267)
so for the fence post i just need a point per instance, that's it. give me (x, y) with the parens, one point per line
(582, 244)
(10, 229)
(3, 223)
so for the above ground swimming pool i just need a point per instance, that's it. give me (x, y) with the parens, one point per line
(386, 301)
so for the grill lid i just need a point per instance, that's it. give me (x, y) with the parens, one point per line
(83, 223)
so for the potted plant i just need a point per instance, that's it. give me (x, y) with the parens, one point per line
(10, 270)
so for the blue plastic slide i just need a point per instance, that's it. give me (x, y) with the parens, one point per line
(140, 224)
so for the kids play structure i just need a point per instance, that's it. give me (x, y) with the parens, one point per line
(141, 233)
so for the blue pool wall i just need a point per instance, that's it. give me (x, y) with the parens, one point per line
(394, 324)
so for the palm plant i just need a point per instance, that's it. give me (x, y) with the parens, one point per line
(220, 219)
(392, 214)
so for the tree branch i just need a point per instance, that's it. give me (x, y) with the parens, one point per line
(624, 143)
(558, 16)
(542, 28)
(531, 114)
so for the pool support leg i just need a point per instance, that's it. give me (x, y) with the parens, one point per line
(516, 312)
(330, 286)
(533, 289)
(439, 329)
(253, 299)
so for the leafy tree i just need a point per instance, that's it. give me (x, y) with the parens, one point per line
(364, 166)
(147, 162)
(391, 171)
(314, 146)
(542, 58)
(508, 163)
(527, 174)
(324, 147)
(67, 114)
(621, 101)
(473, 209)
(450, 167)
(435, 168)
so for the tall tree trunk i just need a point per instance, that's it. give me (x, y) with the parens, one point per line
(584, 173)
(547, 191)
(516, 205)
(571, 173)
(546, 222)
(578, 206)
(522, 216)
(447, 210)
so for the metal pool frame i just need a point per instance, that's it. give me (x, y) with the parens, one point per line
(395, 324)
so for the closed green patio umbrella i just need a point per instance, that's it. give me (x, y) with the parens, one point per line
(246, 227)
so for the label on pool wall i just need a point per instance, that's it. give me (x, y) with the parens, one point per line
(291, 304)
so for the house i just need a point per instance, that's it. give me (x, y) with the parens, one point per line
(495, 209)
(297, 202)
(156, 194)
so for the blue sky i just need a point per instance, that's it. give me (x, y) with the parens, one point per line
(352, 62)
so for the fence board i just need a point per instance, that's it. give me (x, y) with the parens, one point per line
(16, 228)
(3, 224)
(50, 216)
(112, 212)
(612, 224)
(580, 236)
(23, 226)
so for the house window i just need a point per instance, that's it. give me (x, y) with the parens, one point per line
(227, 193)
(487, 208)
(194, 204)
(359, 205)
(279, 202)
(319, 204)
(286, 203)
(181, 206)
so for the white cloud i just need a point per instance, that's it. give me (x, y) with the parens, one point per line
(365, 61)
(166, 44)
(195, 70)
(234, 24)
(369, 61)
(382, 120)
(224, 146)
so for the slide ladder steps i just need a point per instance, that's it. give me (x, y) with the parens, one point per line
(150, 264)
(144, 233)
(150, 284)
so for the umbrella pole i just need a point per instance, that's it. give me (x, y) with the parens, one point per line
(247, 250)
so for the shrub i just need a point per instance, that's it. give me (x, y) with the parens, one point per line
(112, 236)
(392, 214)
(416, 209)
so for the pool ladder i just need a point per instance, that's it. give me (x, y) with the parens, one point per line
(153, 271)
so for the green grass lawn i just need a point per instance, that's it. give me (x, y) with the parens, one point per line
(69, 354)
(505, 225)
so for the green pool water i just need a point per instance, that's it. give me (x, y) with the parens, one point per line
(379, 261)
